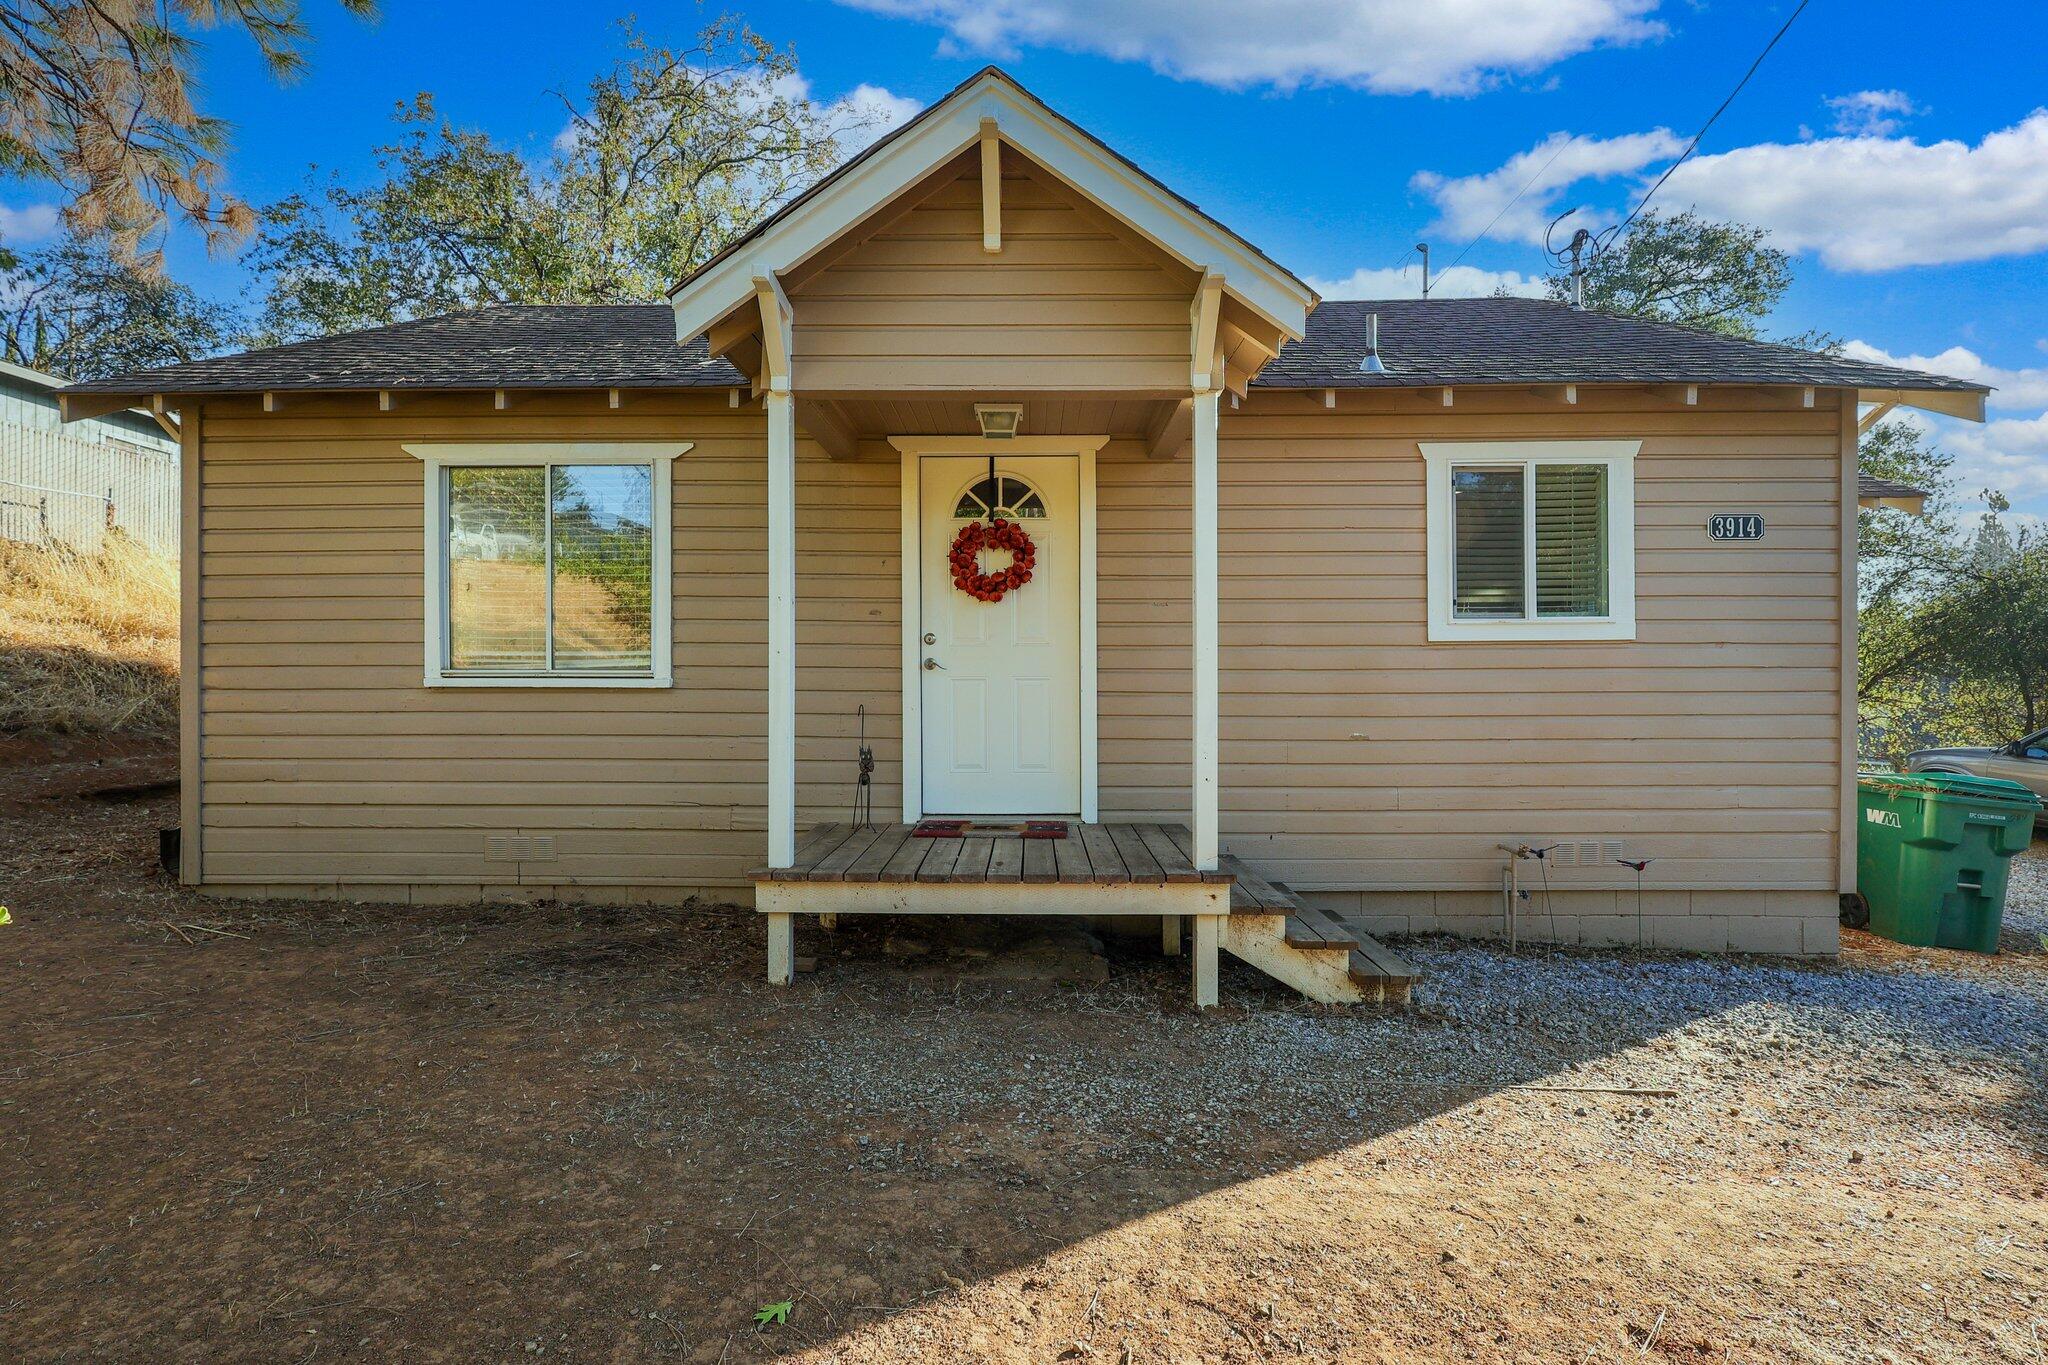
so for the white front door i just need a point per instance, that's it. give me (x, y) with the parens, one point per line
(1001, 681)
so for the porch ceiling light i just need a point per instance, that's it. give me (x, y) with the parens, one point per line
(999, 421)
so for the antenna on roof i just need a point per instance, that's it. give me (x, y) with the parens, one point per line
(1423, 247)
(1372, 364)
(1576, 250)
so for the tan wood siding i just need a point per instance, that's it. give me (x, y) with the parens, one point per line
(1357, 755)
(1069, 303)
(326, 760)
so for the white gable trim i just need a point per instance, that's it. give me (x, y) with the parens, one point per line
(943, 133)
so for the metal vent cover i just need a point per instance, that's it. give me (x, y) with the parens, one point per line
(1586, 853)
(519, 848)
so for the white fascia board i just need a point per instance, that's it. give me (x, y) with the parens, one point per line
(1089, 169)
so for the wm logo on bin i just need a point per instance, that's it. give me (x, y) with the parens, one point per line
(1883, 817)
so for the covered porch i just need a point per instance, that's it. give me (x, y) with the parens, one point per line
(1000, 701)
(989, 299)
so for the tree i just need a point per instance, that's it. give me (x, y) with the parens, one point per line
(664, 160)
(97, 95)
(1722, 277)
(1953, 633)
(75, 310)
(1898, 552)
(1984, 638)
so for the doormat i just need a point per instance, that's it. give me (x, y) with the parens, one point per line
(960, 829)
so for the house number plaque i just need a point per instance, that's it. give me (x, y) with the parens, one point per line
(1735, 526)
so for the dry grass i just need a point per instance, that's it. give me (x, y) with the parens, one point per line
(88, 643)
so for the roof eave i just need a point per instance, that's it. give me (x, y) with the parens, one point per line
(1967, 404)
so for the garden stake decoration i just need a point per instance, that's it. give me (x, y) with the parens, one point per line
(1638, 866)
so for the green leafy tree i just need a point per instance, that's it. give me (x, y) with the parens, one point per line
(99, 96)
(1721, 277)
(74, 309)
(664, 159)
(1900, 553)
(1955, 648)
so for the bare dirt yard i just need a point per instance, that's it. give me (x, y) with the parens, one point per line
(312, 1131)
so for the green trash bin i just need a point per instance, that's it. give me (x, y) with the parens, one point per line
(1933, 851)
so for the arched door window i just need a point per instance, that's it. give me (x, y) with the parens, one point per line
(1003, 495)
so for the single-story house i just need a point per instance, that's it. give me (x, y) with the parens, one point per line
(1153, 584)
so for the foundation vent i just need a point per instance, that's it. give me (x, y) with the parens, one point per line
(519, 848)
(1586, 853)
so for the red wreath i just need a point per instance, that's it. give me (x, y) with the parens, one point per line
(996, 535)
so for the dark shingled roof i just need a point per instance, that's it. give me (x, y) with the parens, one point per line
(1422, 343)
(546, 346)
(1431, 342)
(1870, 486)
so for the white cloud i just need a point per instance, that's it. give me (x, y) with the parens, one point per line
(1405, 282)
(1859, 203)
(876, 110)
(1389, 46)
(24, 225)
(1467, 204)
(1872, 113)
(2024, 388)
(2010, 455)
(569, 139)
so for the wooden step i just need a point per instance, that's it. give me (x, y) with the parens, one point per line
(1251, 894)
(1308, 927)
(1379, 968)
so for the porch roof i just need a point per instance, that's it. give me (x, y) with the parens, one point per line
(1423, 344)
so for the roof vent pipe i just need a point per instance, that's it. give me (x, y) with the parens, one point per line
(1372, 364)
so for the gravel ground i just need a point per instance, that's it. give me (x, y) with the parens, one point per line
(2026, 897)
(289, 1131)
(1642, 1020)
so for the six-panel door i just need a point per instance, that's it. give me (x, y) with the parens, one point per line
(1001, 682)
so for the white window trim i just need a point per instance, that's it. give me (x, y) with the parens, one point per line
(434, 457)
(1618, 457)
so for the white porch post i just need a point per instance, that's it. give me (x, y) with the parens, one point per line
(1204, 602)
(781, 628)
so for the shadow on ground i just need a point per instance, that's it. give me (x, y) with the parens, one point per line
(314, 1130)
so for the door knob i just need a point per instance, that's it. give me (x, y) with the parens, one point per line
(930, 664)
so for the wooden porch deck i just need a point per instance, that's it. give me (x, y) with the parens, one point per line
(1095, 869)
(1123, 854)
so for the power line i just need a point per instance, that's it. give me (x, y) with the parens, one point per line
(1510, 204)
(1684, 156)
(1693, 146)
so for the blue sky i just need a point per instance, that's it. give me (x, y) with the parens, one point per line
(1909, 174)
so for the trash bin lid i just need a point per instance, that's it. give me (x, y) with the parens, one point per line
(1996, 790)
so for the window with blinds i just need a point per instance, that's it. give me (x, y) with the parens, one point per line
(1487, 518)
(1536, 521)
(1571, 540)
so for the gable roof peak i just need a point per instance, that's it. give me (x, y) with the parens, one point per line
(908, 153)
